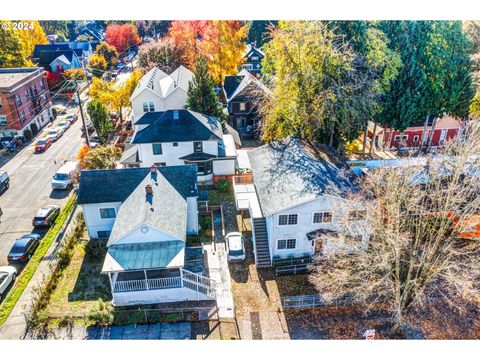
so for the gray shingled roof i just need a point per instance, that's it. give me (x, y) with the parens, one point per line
(286, 174)
(97, 186)
(164, 209)
(149, 117)
(190, 126)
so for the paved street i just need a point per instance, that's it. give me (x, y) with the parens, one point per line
(30, 177)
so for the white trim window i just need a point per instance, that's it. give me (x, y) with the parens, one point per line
(322, 217)
(107, 213)
(404, 137)
(3, 120)
(148, 106)
(415, 138)
(397, 138)
(286, 244)
(287, 219)
(243, 106)
(356, 215)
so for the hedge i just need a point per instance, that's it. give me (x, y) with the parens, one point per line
(26, 275)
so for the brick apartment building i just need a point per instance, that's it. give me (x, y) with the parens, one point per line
(24, 101)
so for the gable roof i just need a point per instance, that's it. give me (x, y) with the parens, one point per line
(253, 49)
(116, 185)
(287, 173)
(164, 209)
(190, 126)
(48, 56)
(48, 47)
(162, 84)
(234, 85)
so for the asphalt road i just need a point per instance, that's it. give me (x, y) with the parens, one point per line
(30, 185)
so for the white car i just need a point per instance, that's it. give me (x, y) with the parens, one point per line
(7, 276)
(235, 246)
(54, 134)
(64, 125)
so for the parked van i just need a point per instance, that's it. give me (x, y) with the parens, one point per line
(64, 177)
(4, 181)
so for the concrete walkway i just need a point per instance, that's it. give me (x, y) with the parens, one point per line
(177, 331)
(15, 326)
(218, 271)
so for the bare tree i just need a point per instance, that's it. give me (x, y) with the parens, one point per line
(422, 221)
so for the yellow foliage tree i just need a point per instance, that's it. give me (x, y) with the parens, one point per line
(475, 107)
(32, 37)
(97, 64)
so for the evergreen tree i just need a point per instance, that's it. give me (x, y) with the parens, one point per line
(201, 95)
(100, 118)
(258, 31)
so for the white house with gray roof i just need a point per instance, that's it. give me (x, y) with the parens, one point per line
(158, 91)
(178, 137)
(146, 214)
(299, 203)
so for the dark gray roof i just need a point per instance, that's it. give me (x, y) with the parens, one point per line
(286, 173)
(234, 86)
(46, 57)
(164, 209)
(48, 47)
(198, 156)
(149, 117)
(97, 186)
(190, 126)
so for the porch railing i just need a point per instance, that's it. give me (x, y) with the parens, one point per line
(148, 284)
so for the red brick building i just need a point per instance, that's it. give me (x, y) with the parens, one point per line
(24, 101)
(446, 129)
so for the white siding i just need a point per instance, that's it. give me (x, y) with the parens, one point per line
(93, 220)
(224, 167)
(176, 100)
(171, 154)
(337, 206)
(144, 233)
(192, 215)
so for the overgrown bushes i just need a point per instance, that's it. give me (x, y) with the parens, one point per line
(223, 186)
(27, 273)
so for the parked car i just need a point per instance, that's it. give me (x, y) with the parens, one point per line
(235, 246)
(7, 276)
(23, 248)
(4, 181)
(46, 216)
(54, 134)
(71, 118)
(59, 110)
(63, 178)
(65, 125)
(43, 144)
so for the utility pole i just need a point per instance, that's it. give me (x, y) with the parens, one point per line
(87, 137)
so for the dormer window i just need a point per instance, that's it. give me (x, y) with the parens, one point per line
(148, 106)
(197, 146)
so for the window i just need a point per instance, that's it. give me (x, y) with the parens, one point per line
(22, 116)
(285, 244)
(404, 137)
(175, 144)
(27, 95)
(322, 217)
(42, 85)
(197, 146)
(159, 164)
(415, 138)
(290, 219)
(30, 108)
(356, 215)
(157, 149)
(18, 100)
(254, 58)
(204, 167)
(148, 106)
(1, 104)
(243, 106)
(397, 138)
(108, 213)
(3, 120)
(103, 234)
(247, 66)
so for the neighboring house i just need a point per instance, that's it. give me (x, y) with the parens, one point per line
(24, 101)
(177, 137)
(299, 203)
(446, 129)
(253, 59)
(83, 49)
(242, 93)
(60, 60)
(146, 214)
(157, 91)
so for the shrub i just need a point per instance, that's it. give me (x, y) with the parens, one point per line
(28, 134)
(34, 129)
(101, 316)
(223, 185)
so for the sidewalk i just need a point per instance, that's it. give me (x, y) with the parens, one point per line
(15, 326)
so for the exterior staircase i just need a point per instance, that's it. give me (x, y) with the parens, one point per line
(262, 251)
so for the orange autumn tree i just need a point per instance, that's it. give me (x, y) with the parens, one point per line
(82, 153)
(121, 36)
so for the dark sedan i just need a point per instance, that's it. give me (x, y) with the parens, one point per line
(46, 216)
(24, 248)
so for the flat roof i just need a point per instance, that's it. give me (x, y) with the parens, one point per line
(11, 76)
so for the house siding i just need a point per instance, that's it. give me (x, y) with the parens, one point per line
(175, 100)
(94, 222)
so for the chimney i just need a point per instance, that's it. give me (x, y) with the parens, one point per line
(148, 189)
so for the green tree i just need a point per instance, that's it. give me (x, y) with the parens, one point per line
(201, 95)
(12, 49)
(108, 52)
(100, 118)
(102, 157)
(318, 93)
(258, 31)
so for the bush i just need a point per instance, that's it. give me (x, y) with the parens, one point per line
(223, 186)
(28, 134)
(34, 129)
(103, 315)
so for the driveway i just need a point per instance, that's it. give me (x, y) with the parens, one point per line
(30, 177)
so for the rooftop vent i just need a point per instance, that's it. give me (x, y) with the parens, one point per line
(148, 189)
(175, 115)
